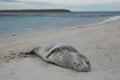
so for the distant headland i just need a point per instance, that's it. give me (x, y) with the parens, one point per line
(37, 10)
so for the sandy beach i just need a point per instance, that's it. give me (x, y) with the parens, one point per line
(100, 43)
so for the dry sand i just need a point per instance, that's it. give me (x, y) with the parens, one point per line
(100, 43)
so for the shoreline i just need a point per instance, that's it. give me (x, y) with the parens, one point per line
(107, 20)
(100, 43)
(54, 30)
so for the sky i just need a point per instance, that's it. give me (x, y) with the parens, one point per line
(74, 5)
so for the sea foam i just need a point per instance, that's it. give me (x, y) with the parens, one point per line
(113, 18)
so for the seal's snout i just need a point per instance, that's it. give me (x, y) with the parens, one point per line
(85, 65)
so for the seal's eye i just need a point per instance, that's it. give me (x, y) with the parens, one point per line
(86, 60)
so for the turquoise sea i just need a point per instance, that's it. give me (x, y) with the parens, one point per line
(15, 23)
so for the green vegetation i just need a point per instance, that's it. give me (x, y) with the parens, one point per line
(37, 10)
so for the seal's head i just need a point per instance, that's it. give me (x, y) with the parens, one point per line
(83, 64)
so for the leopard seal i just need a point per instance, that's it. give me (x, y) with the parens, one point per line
(63, 55)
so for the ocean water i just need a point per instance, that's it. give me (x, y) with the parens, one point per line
(15, 23)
